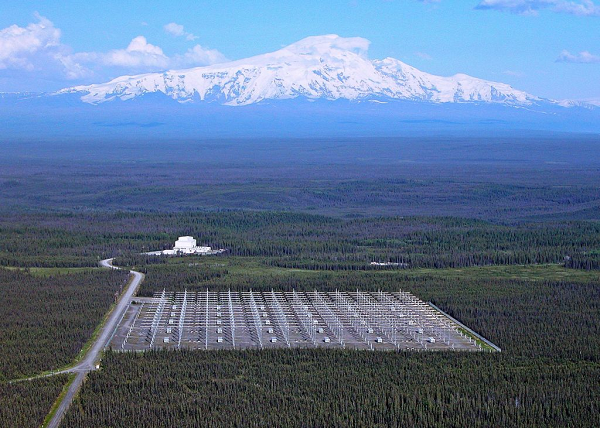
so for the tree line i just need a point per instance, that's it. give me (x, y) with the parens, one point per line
(546, 375)
(45, 321)
(299, 240)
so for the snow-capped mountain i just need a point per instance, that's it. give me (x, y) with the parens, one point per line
(589, 103)
(322, 67)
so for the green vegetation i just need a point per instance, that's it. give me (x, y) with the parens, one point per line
(242, 273)
(546, 375)
(495, 301)
(26, 403)
(59, 399)
(294, 240)
(47, 317)
(501, 178)
(45, 321)
(531, 288)
(334, 388)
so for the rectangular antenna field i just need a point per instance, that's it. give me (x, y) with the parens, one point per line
(211, 320)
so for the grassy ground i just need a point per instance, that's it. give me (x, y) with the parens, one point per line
(551, 272)
(59, 399)
(44, 272)
(58, 271)
(256, 266)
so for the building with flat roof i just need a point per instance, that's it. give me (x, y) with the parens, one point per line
(185, 243)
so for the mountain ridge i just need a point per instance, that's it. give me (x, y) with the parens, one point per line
(319, 67)
(322, 86)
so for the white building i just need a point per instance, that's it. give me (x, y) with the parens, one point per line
(187, 245)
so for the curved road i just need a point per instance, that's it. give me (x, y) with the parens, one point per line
(89, 361)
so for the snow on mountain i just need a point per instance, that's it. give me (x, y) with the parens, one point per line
(589, 103)
(321, 67)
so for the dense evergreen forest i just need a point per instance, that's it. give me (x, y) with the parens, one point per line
(46, 320)
(546, 375)
(508, 176)
(298, 240)
(533, 288)
(26, 403)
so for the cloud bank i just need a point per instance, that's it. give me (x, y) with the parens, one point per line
(38, 48)
(584, 57)
(19, 46)
(424, 55)
(177, 30)
(532, 7)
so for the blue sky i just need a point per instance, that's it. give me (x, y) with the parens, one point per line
(549, 48)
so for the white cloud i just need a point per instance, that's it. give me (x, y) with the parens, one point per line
(584, 57)
(177, 30)
(583, 8)
(143, 56)
(174, 29)
(424, 55)
(199, 56)
(37, 50)
(356, 44)
(139, 54)
(20, 45)
(71, 68)
(513, 73)
(532, 7)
